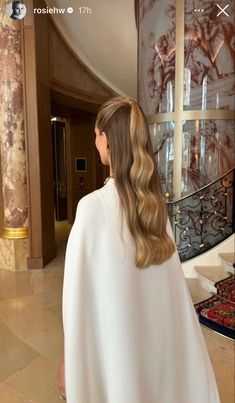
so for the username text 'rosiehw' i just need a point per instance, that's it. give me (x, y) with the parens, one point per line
(50, 10)
(56, 10)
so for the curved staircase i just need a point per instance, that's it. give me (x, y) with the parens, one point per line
(203, 286)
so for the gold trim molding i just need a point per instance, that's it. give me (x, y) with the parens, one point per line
(219, 114)
(15, 233)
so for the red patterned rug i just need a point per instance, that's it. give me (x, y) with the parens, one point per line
(218, 312)
(226, 288)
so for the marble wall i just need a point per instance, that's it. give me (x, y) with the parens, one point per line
(209, 46)
(209, 55)
(156, 55)
(1, 202)
(208, 149)
(14, 254)
(205, 145)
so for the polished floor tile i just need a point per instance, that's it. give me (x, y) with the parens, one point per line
(14, 353)
(221, 351)
(11, 395)
(31, 334)
(36, 381)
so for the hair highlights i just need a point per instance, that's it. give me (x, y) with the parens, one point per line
(136, 179)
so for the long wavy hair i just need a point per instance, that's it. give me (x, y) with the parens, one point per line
(136, 179)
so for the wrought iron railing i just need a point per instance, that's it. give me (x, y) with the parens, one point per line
(204, 218)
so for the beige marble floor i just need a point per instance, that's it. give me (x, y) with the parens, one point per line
(31, 337)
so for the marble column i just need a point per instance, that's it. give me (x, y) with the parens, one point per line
(14, 241)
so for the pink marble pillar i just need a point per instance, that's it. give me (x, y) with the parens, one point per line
(13, 158)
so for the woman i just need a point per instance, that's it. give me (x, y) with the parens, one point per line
(130, 328)
(18, 10)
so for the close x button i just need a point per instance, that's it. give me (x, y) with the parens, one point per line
(222, 10)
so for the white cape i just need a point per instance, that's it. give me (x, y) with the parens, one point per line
(131, 335)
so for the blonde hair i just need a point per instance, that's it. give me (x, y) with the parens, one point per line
(136, 179)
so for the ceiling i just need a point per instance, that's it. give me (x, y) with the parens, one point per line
(103, 35)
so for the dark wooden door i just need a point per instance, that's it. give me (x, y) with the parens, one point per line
(60, 170)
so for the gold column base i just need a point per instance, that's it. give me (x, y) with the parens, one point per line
(15, 233)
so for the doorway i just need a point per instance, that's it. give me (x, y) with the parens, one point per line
(60, 182)
(60, 169)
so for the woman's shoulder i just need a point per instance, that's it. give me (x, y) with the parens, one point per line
(88, 202)
(95, 202)
(97, 194)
